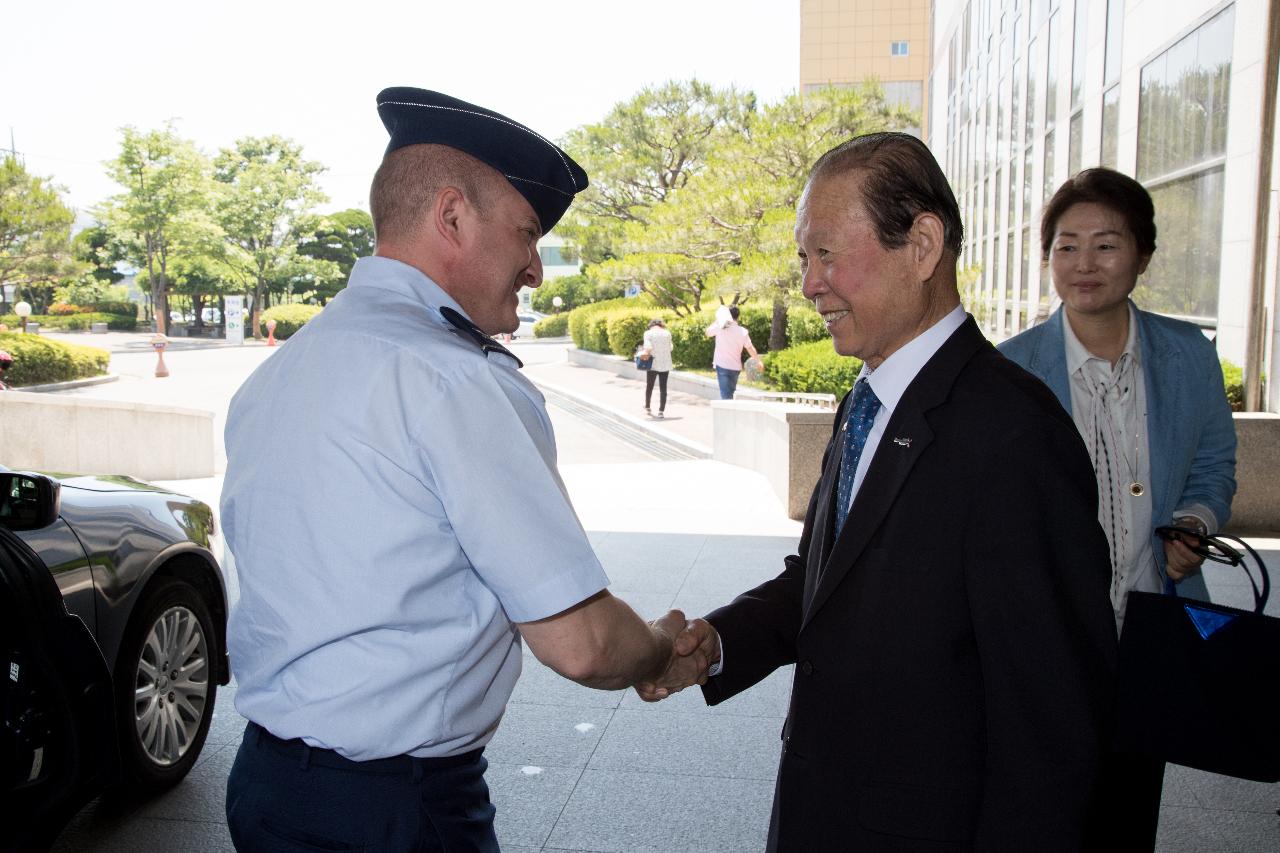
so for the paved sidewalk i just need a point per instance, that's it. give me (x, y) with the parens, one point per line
(688, 419)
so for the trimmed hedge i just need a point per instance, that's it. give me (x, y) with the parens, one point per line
(812, 368)
(626, 327)
(804, 325)
(37, 360)
(124, 309)
(555, 326)
(116, 322)
(587, 324)
(74, 322)
(289, 318)
(1233, 380)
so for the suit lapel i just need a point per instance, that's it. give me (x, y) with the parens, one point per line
(892, 464)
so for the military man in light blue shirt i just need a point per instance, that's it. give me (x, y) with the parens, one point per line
(386, 579)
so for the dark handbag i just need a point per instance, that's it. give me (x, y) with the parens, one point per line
(1199, 682)
(644, 362)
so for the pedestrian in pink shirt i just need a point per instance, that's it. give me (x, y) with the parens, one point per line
(731, 340)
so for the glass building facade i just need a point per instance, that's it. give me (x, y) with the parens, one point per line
(1026, 93)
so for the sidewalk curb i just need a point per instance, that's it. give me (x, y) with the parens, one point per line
(67, 386)
(679, 443)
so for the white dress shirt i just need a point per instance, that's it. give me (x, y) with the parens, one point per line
(1109, 407)
(891, 378)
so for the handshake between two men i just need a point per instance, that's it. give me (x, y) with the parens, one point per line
(604, 644)
(695, 651)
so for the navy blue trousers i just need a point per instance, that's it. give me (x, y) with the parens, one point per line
(286, 796)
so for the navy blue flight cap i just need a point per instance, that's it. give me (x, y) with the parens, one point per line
(542, 173)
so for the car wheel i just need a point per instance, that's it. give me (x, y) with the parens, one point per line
(165, 685)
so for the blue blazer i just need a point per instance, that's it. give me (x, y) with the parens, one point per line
(1189, 428)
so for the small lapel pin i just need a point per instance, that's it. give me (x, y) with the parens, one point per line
(902, 442)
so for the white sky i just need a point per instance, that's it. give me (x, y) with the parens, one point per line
(74, 71)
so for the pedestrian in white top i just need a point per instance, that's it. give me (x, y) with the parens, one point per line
(657, 343)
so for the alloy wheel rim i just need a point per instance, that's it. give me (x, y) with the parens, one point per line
(171, 687)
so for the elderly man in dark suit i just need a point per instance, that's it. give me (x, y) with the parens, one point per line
(947, 611)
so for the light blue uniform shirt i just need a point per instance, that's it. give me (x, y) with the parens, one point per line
(393, 505)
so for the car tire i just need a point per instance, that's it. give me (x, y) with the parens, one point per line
(165, 684)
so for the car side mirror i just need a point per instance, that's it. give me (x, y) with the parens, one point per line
(28, 501)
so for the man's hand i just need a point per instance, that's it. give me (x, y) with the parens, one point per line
(696, 649)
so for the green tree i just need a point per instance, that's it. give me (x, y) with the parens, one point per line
(340, 238)
(93, 246)
(206, 273)
(164, 205)
(573, 290)
(35, 231)
(645, 149)
(268, 190)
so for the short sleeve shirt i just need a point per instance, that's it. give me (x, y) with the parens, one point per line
(393, 505)
(730, 341)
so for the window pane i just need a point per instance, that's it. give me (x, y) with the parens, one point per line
(1026, 185)
(552, 256)
(1012, 205)
(1183, 276)
(1115, 31)
(1014, 127)
(1051, 74)
(1011, 248)
(1111, 127)
(1183, 102)
(1024, 285)
(1078, 48)
(1028, 111)
(1074, 143)
(1049, 183)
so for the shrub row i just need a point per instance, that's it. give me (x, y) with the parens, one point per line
(588, 324)
(74, 322)
(618, 327)
(1233, 380)
(38, 360)
(813, 368)
(82, 322)
(555, 326)
(63, 309)
(804, 325)
(289, 318)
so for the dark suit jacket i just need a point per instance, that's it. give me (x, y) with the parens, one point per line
(955, 647)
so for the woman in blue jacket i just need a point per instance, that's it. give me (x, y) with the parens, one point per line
(1145, 391)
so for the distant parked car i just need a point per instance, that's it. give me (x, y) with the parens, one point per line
(113, 616)
(527, 321)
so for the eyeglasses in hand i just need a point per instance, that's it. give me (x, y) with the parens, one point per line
(1209, 547)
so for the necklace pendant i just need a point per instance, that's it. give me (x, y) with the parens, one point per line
(1137, 489)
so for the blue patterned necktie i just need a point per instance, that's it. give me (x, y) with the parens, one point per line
(862, 414)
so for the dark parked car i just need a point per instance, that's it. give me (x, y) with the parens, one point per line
(113, 619)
